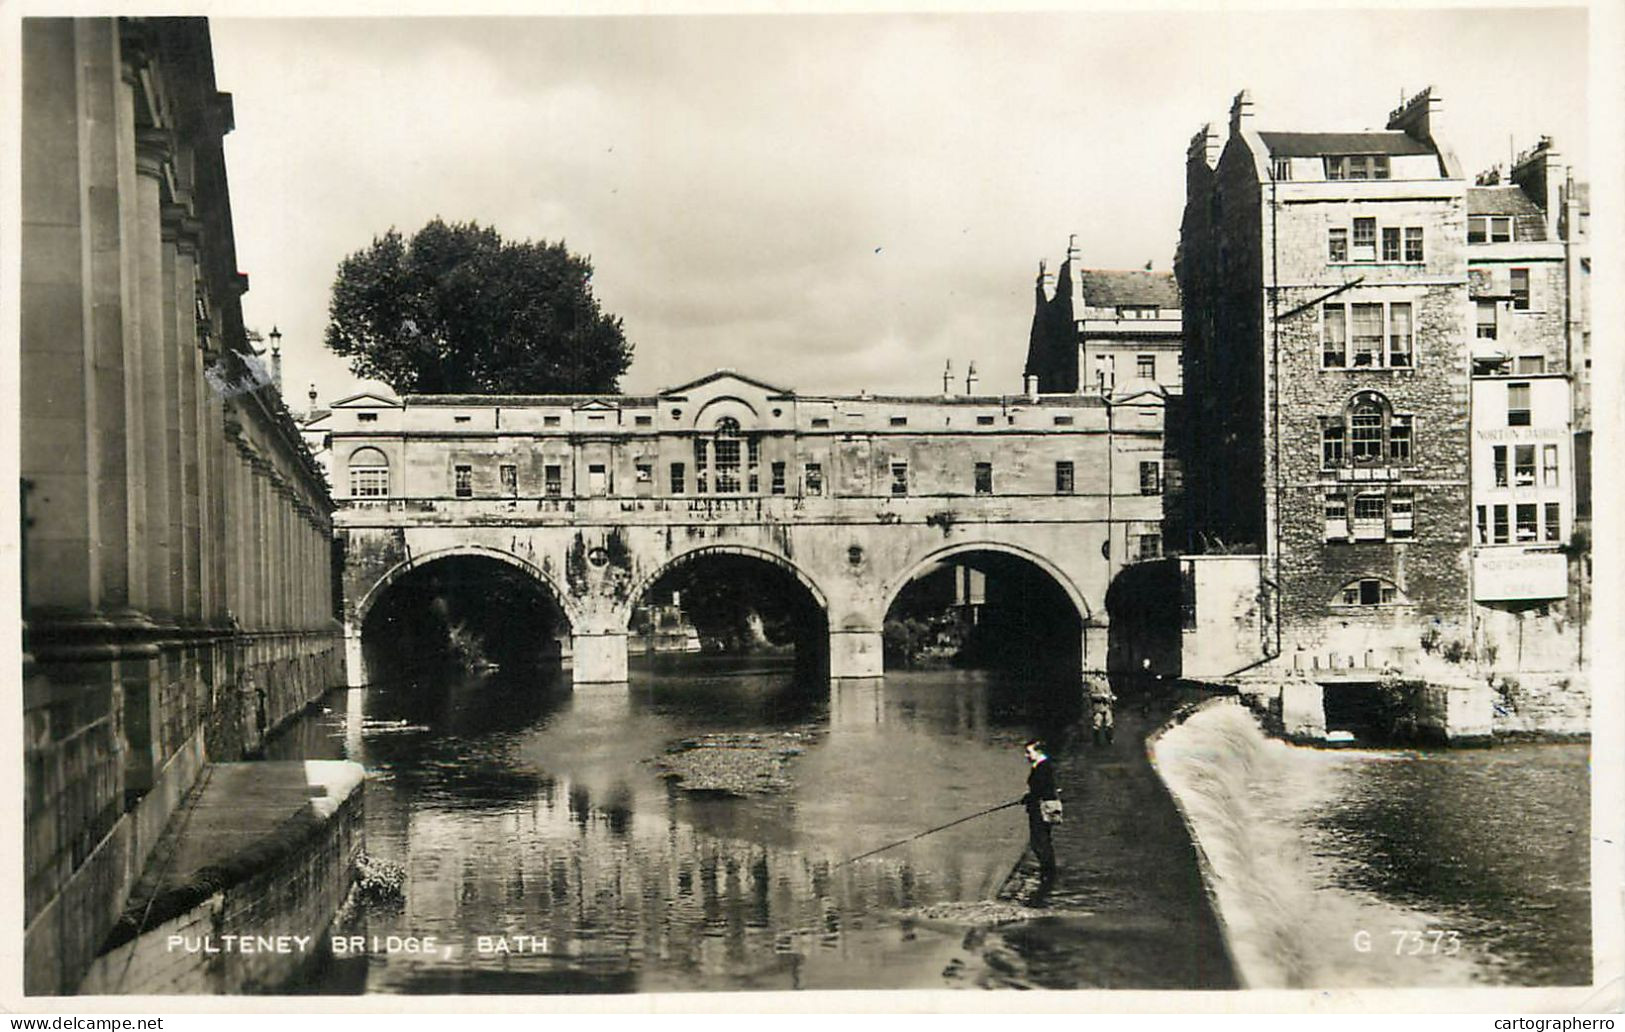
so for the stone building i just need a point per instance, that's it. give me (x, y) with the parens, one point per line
(175, 533)
(855, 496)
(1325, 286)
(1528, 272)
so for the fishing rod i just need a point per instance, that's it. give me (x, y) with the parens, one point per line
(932, 831)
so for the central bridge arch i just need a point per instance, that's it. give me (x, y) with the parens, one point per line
(415, 562)
(700, 553)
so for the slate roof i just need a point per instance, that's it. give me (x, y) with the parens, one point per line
(1314, 145)
(1104, 288)
(1529, 222)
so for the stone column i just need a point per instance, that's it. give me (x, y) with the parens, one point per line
(856, 653)
(189, 400)
(175, 409)
(599, 658)
(156, 373)
(138, 554)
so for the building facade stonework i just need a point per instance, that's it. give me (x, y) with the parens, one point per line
(176, 537)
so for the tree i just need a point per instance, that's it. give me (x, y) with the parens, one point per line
(458, 310)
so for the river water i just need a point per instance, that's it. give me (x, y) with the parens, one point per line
(1376, 868)
(522, 808)
(545, 853)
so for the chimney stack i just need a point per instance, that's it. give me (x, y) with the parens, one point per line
(970, 379)
(1418, 117)
(1029, 384)
(1241, 112)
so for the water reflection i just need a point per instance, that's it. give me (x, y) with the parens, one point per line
(525, 812)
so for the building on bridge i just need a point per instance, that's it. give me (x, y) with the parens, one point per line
(595, 498)
(176, 536)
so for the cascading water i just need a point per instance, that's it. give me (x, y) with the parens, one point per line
(1358, 868)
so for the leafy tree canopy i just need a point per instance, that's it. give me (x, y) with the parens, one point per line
(458, 310)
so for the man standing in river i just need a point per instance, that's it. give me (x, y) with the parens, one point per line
(1041, 791)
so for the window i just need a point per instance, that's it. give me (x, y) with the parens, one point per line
(700, 469)
(1063, 420)
(1105, 372)
(899, 421)
(645, 472)
(1365, 240)
(1399, 335)
(820, 422)
(1554, 521)
(777, 484)
(1517, 404)
(984, 420)
(1365, 432)
(1500, 229)
(1150, 478)
(1370, 516)
(1483, 525)
(1367, 334)
(1063, 478)
(463, 481)
(1390, 244)
(461, 419)
(1531, 364)
(1331, 444)
(984, 478)
(1548, 465)
(369, 474)
(1527, 528)
(679, 478)
(1413, 243)
(1150, 547)
(366, 417)
(1356, 166)
(1337, 514)
(899, 478)
(1400, 507)
(1520, 289)
(510, 480)
(1501, 528)
(597, 480)
(1487, 320)
(1523, 465)
(1500, 454)
(1334, 337)
(1281, 169)
(1399, 440)
(812, 476)
(754, 449)
(1337, 244)
(1489, 229)
(643, 421)
(550, 420)
(553, 481)
(1145, 367)
(727, 465)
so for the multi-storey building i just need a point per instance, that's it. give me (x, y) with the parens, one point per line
(1106, 331)
(1324, 280)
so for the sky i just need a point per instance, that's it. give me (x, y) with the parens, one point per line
(829, 203)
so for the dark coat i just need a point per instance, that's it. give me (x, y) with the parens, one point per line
(1040, 784)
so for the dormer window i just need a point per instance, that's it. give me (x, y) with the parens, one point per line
(1356, 166)
(1489, 229)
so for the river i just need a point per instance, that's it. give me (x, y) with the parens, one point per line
(521, 808)
(1389, 868)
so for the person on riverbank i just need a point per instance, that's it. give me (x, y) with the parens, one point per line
(1043, 804)
(1101, 701)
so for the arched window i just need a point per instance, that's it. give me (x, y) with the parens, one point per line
(369, 473)
(1366, 433)
(726, 455)
(1369, 591)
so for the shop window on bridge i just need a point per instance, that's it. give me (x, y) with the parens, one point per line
(899, 478)
(812, 478)
(1150, 547)
(369, 474)
(463, 481)
(753, 448)
(777, 483)
(597, 480)
(679, 482)
(984, 478)
(727, 473)
(553, 480)
(702, 473)
(510, 480)
(1063, 478)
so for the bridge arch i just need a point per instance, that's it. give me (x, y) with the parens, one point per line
(895, 587)
(415, 562)
(699, 553)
